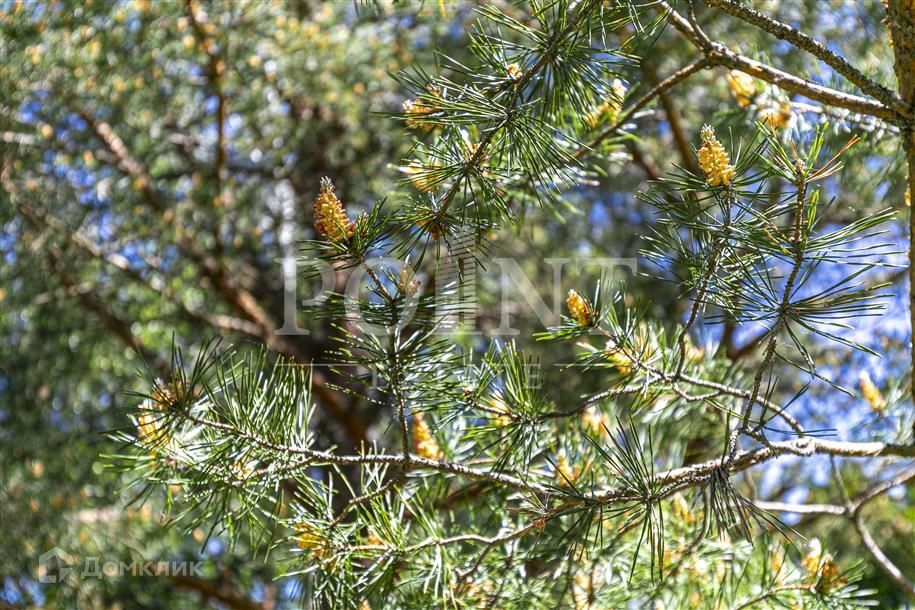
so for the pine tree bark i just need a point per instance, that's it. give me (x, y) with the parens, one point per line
(901, 22)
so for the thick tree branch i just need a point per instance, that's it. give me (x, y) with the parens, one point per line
(112, 322)
(643, 160)
(220, 321)
(817, 49)
(674, 480)
(216, 68)
(719, 55)
(87, 298)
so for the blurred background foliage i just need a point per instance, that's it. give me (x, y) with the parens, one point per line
(168, 155)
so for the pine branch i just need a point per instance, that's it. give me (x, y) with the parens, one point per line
(770, 594)
(314, 457)
(517, 86)
(674, 480)
(806, 446)
(720, 243)
(802, 41)
(659, 375)
(492, 141)
(719, 55)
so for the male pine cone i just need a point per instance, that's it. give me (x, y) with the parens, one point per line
(424, 443)
(579, 309)
(330, 218)
(713, 159)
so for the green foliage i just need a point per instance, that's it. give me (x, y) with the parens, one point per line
(610, 458)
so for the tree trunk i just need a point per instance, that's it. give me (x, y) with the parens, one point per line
(901, 22)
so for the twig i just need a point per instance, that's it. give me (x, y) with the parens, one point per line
(854, 506)
(801, 509)
(675, 78)
(799, 245)
(674, 119)
(883, 562)
(752, 602)
(718, 246)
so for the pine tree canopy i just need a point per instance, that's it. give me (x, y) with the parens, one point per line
(585, 304)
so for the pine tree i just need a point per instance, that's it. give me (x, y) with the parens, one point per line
(482, 486)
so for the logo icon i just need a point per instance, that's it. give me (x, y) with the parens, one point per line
(54, 566)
